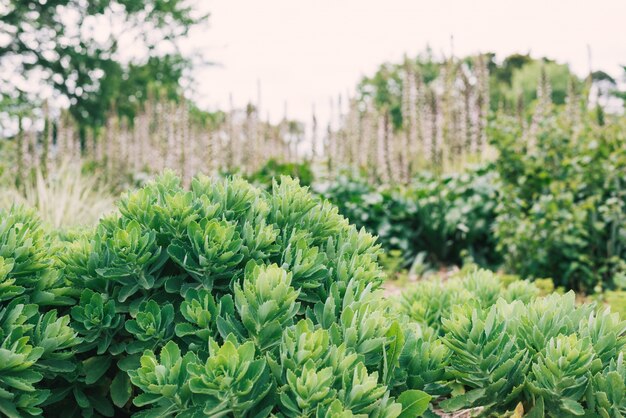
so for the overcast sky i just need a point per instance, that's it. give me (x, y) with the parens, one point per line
(306, 51)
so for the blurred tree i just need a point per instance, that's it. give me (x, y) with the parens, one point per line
(512, 82)
(500, 76)
(525, 80)
(96, 54)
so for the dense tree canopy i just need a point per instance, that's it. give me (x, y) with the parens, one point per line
(96, 54)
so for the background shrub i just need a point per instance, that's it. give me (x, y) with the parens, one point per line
(447, 217)
(563, 202)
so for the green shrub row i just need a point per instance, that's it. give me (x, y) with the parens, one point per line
(448, 218)
(222, 300)
(498, 347)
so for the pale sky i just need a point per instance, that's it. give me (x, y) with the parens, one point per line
(307, 51)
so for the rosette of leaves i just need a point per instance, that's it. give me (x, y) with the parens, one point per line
(607, 333)
(25, 245)
(152, 326)
(320, 371)
(483, 285)
(232, 381)
(18, 356)
(211, 253)
(132, 259)
(164, 382)
(200, 312)
(266, 304)
(545, 318)
(96, 321)
(225, 292)
(485, 360)
(424, 363)
(560, 376)
(608, 395)
(521, 290)
(429, 301)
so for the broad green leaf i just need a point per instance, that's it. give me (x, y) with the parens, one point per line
(414, 403)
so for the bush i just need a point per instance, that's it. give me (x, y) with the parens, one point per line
(448, 217)
(544, 355)
(273, 169)
(36, 344)
(563, 204)
(223, 300)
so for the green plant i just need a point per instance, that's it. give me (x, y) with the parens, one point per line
(502, 347)
(235, 302)
(560, 376)
(36, 345)
(608, 396)
(486, 360)
(273, 169)
(563, 201)
(443, 216)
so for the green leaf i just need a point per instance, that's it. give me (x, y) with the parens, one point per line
(121, 389)
(95, 368)
(393, 353)
(572, 407)
(414, 403)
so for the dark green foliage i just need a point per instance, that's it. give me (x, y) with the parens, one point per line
(273, 169)
(445, 217)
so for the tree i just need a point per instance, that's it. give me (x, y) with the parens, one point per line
(525, 80)
(94, 54)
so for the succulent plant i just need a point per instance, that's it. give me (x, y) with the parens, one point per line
(36, 344)
(485, 359)
(96, 321)
(256, 303)
(560, 375)
(608, 395)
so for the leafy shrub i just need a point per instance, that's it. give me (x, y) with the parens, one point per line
(35, 342)
(563, 202)
(273, 169)
(226, 300)
(445, 217)
(545, 355)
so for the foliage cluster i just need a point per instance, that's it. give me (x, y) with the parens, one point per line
(227, 300)
(497, 346)
(562, 209)
(55, 42)
(448, 217)
(221, 300)
(273, 169)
